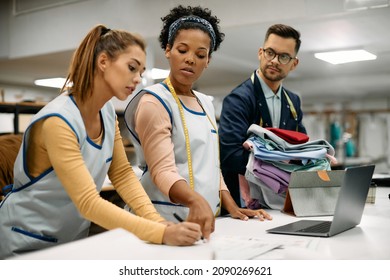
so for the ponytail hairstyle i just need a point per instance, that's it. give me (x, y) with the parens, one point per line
(79, 81)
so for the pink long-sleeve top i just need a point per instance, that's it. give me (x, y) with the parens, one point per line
(153, 126)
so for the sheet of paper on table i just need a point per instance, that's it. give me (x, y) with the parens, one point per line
(227, 247)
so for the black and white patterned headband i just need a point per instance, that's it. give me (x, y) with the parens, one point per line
(177, 23)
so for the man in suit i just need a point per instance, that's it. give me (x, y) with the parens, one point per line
(262, 100)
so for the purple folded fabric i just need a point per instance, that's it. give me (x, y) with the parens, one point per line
(271, 176)
(254, 204)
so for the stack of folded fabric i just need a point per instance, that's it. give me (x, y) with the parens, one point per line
(275, 153)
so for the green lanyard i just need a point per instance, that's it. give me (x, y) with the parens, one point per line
(292, 108)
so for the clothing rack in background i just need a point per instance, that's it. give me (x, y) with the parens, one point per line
(367, 131)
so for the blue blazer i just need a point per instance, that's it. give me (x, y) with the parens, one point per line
(244, 106)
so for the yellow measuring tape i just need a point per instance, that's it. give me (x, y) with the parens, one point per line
(186, 135)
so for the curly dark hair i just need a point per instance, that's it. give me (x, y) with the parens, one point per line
(181, 11)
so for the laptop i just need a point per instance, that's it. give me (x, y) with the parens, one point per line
(349, 207)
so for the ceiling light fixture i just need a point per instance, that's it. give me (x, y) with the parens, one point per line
(358, 5)
(157, 74)
(339, 57)
(51, 82)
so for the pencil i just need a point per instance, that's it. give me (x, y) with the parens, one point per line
(180, 219)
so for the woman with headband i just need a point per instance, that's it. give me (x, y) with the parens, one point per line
(69, 148)
(174, 130)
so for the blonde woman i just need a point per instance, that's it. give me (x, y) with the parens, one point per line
(69, 148)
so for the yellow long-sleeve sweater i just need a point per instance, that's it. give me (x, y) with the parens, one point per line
(53, 143)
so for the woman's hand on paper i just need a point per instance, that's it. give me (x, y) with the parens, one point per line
(182, 234)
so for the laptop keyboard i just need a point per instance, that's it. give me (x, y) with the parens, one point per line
(320, 228)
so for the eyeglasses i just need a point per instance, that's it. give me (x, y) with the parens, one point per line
(283, 58)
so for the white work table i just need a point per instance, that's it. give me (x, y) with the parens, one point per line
(369, 240)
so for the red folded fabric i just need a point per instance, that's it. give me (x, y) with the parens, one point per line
(290, 136)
